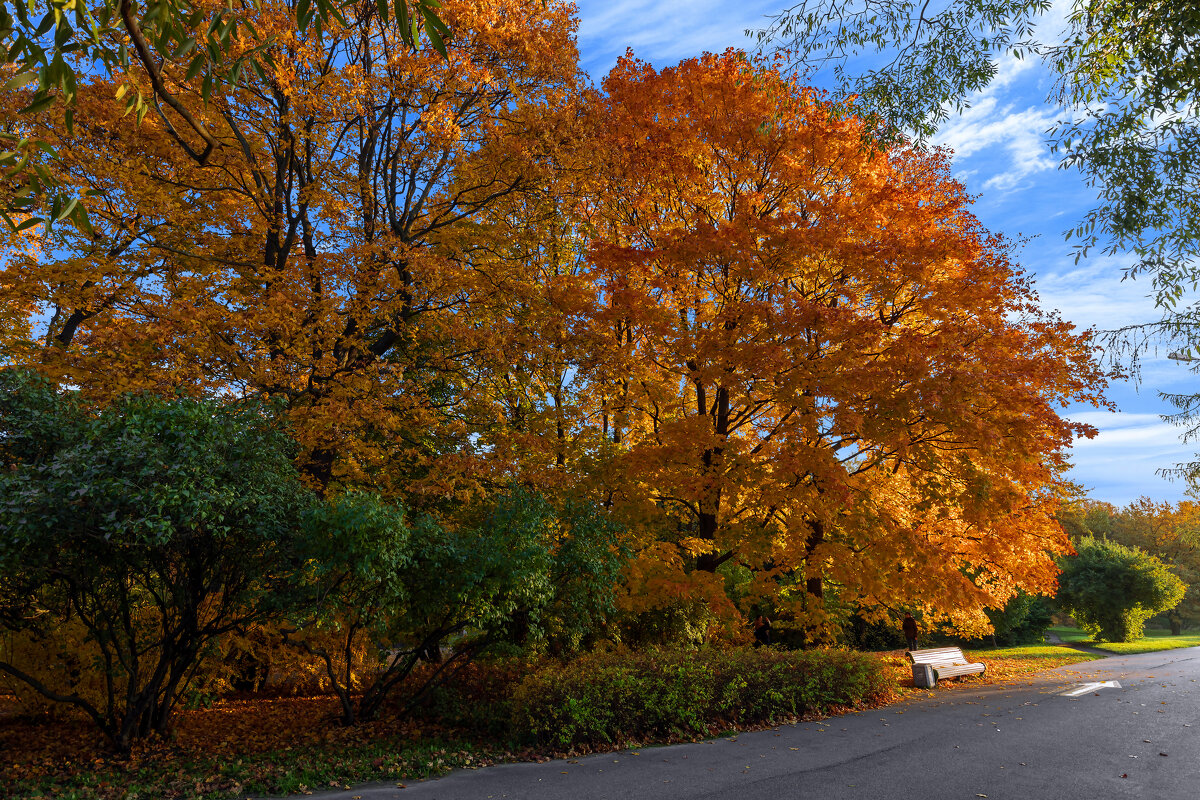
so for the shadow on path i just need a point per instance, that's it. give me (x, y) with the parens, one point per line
(1053, 638)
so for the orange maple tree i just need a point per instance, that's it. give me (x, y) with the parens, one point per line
(325, 254)
(816, 364)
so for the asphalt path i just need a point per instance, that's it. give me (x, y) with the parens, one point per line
(1024, 741)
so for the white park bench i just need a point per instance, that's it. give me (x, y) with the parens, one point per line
(938, 663)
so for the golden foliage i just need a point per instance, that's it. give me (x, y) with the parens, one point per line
(816, 363)
(797, 367)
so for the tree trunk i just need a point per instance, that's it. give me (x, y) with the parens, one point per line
(813, 584)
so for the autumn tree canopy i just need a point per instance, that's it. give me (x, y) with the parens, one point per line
(815, 362)
(797, 367)
(1128, 78)
(323, 253)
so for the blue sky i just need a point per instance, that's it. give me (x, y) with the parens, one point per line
(1000, 155)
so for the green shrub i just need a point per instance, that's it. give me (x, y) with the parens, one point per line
(876, 635)
(414, 590)
(615, 697)
(1111, 589)
(132, 541)
(1023, 620)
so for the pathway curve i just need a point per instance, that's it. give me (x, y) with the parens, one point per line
(1026, 740)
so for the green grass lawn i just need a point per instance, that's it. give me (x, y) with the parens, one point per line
(1026, 652)
(1154, 640)
(1011, 663)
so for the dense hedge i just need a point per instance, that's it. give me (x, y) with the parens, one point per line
(633, 696)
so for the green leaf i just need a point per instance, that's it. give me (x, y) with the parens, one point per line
(404, 23)
(196, 65)
(68, 85)
(62, 34)
(188, 45)
(258, 70)
(19, 80)
(68, 209)
(46, 23)
(41, 102)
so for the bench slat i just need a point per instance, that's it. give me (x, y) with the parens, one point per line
(935, 654)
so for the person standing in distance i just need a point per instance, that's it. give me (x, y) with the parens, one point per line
(762, 630)
(910, 630)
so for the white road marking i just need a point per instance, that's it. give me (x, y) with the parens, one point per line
(1084, 688)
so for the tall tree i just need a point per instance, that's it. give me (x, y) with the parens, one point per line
(324, 254)
(816, 363)
(1170, 532)
(1112, 589)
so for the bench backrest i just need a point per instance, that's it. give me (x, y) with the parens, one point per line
(937, 655)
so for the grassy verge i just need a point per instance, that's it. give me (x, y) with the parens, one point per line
(1004, 664)
(292, 771)
(1009, 663)
(1152, 642)
(237, 748)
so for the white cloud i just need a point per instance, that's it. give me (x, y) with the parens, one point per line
(1011, 68)
(1117, 429)
(1052, 27)
(1092, 294)
(665, 32)
(1123, 461)
(1012, 141)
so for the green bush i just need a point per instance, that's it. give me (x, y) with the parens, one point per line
(1023, 620)
(413, 590)
(623, 696)
(1111, 589)
(878, 635)
(132, 541)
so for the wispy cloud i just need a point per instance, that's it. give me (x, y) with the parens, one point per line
(1123, 462)
(1092, 294)
(1011, 142)
(665, 32)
